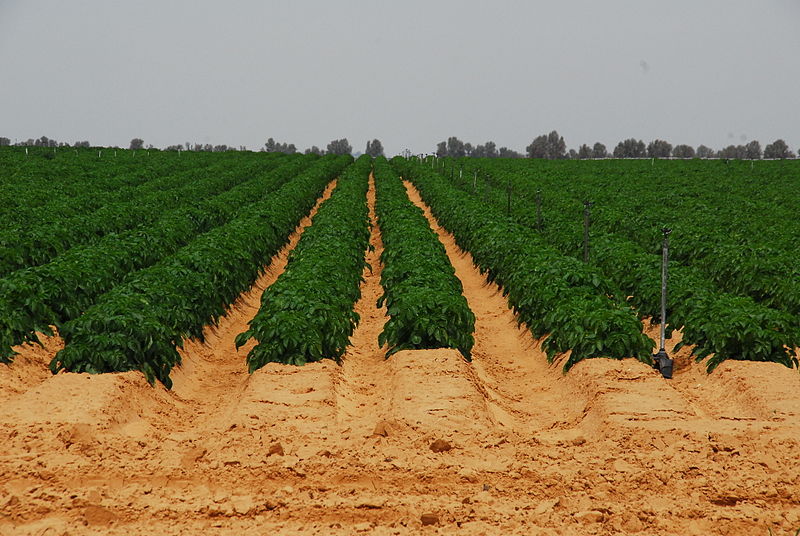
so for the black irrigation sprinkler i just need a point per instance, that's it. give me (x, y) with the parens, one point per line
(661, 361)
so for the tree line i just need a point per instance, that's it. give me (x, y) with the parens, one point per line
(549, 146)
(341, 146)
(552, 146)
(44, 141)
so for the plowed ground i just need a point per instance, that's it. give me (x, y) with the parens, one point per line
(518, 448)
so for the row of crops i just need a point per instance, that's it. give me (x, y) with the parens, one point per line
(129, 258)
(165, 254)
(733, 286)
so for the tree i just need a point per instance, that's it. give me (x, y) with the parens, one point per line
(630, 148)
(584, 151)
(704, 152)
(753, 150)
(314, 150)
(84, 144)
(455, 147)
(5, 142)
(273, 147)
(486, 150)
(441, 149)
(683, 151)
(599, 151)
(137, 143)
(537, 148)
(777, 149)
(556, 146)
(374, 148)
(341, 146)
(659, 149)
(44, 141)
(549, 146)
(505, 152)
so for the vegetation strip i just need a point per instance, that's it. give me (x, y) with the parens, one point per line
(33, 299)
(81, 184)
(42, 242)
(139, 324)
(307, 313)
(718, 325)
(422, 294)
(559, 298)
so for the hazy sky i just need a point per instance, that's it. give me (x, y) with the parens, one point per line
(410, 73)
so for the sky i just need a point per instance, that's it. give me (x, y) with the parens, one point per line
(411, 73)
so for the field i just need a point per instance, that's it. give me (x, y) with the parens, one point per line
(252, 343)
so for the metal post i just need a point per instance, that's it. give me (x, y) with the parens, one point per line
(661, 360)
(475, 182)
(664, 276)
(509, 198)
(587, 214)
(539, 210)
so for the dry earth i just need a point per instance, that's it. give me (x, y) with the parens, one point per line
(420, 443)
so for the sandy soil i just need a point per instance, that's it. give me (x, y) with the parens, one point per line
(420, 443)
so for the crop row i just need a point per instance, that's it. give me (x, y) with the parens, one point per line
(45, 191)
(715, 323)
(139, 324)
(422, 294)
(570, 304)
(33, 299)
(38, 244)
(307, 313)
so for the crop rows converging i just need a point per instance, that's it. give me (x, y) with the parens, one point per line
(732, 285)
(129, 257)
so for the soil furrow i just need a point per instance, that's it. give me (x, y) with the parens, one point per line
(364, 369)
(525, 394)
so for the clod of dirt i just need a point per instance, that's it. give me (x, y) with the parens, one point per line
(546, 506)
(440, 445)
(325, 453)
(275, 448)
(429, 519)
(97, 515)
(381, 429)
(79, 434)
(591, 516)
(193, 456)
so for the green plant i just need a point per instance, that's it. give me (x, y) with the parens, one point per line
(423, 296)
(307, 313)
